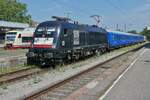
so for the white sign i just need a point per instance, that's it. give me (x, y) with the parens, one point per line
(76, 37)
(42, 41)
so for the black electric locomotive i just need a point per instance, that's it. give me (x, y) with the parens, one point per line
(59, 41)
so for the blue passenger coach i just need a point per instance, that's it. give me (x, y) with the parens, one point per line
(118, 39)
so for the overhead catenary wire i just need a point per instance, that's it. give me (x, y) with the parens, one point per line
(82, 11)
(121, 11)
(72, 6)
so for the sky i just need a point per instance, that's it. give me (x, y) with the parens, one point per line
(134, 14)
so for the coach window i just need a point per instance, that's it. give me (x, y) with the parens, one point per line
(114, 38)
(27, 39)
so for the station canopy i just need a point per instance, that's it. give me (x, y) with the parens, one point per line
(7, 24)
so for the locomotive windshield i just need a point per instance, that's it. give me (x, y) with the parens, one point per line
(10, 36)
(47, 31)
(45, 35)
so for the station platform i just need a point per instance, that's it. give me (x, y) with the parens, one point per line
(134, 84)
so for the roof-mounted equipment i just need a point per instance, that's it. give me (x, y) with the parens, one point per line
(64, 19)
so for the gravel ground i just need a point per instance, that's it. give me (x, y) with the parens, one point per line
(38, 82)
(12, 60)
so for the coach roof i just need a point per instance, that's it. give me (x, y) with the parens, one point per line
(123, 33)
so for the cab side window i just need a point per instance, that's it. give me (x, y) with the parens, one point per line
(65, 32)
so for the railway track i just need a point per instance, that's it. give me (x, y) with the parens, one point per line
(20, 74)
(66, 87)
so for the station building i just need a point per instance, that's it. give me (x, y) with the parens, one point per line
(7, 26)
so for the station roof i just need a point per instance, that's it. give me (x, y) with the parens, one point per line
(7, 24)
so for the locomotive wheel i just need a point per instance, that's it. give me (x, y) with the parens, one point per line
(77, 57)
(30, 61)
(98, 53)
(68, 58)
(61, 62)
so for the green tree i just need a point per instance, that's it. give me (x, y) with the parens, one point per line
(14, 10)
(133, 31)
(146, 32)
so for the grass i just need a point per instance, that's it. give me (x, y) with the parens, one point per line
(4, 70)
(13, 52)
(4, 86)
(36, 80)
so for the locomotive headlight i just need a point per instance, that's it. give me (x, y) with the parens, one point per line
(48, 55)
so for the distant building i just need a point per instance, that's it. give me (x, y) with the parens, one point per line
(15, 25)
(148, 27)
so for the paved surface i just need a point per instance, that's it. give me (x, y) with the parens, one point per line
(135, 83)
